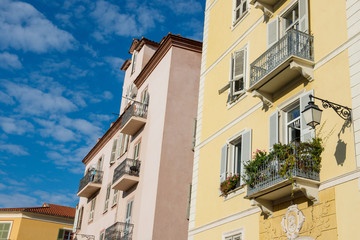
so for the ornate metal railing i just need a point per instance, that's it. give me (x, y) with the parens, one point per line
(136, 109)
(94, 176)
(119, 231)
(128, 166)
(268, 174)
(294, 43)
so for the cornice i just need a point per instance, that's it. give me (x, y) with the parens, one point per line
(169, 41)
(125, 65)
(103, 140)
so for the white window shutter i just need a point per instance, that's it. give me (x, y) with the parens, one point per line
(224, 152)
(272, 32)
(304, 16)
(76, 218)
(245, 152)
(113, 151)
(238, 69)
(118, 146)
(307, 132)
(273, 129)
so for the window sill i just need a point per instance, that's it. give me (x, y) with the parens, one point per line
(233, 193)
(238, 21)
(114, 205)
(237, 99)
(105, 211)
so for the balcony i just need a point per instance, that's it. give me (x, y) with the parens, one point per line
(126, 175)
(90, 183)
(270, 186)
(281, 64)
(119, 231)
(133, 118)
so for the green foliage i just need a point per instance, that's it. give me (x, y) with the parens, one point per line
(229, 184)
(282, 160)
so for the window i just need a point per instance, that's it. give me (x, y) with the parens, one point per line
(5, 230)
(145, 96)
(122, 144)
(80, 216)
(113, 151)
(115, 197)
(235, 237)
(128, 216)
(295, 16)
(64, 234)
(240, 8)
(287, 124)
(236, 234)
(92, 209)
(137, 151)
(134, 62)
(234, 154)
(238, 73)
(108, 189)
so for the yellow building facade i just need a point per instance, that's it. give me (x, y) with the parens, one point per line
(262, 59)
(46, 222)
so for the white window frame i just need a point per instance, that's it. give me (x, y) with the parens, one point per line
(115, 197)
(137, 150)
(6, 222)
(133, 62)
(92, 209)
(114, 151)
(239, 7)
(234, 233)
(235, 95)
(283, 108)
(228, 163)
(107, 197)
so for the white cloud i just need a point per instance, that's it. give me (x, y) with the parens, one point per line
(25, 28)
(11, 200)
(13, 149)
(58, 132)
(9, 61)
(15, 126)
(56, 198)
(36, 102)
(111, 19)
(4, 98)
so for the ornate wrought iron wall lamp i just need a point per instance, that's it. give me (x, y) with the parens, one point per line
(312, 113)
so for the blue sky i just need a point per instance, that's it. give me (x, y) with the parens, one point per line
(60, 83)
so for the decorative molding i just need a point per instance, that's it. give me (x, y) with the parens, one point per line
(264, 97)
(292, 222)
(224, 220)
(169, 41)
(332, 182)
(230, 49)
(305, 69)
(229, 125)
(103, 141)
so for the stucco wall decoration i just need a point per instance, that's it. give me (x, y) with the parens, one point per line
(292, 222)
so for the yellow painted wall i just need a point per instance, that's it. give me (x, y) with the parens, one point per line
(30, 229)
(331, 81)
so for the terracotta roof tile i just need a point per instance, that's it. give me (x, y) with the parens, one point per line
(46, 208)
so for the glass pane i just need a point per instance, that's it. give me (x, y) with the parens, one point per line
(238, 3)
(294, 113)
(244, 7)
(238, 85)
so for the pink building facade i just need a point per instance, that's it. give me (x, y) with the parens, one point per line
(137, 179)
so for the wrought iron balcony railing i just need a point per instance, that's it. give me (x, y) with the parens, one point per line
(93, 176)
(268, 174)
(119, 231)
(294, 43)
(137, 109)
(128, 166)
